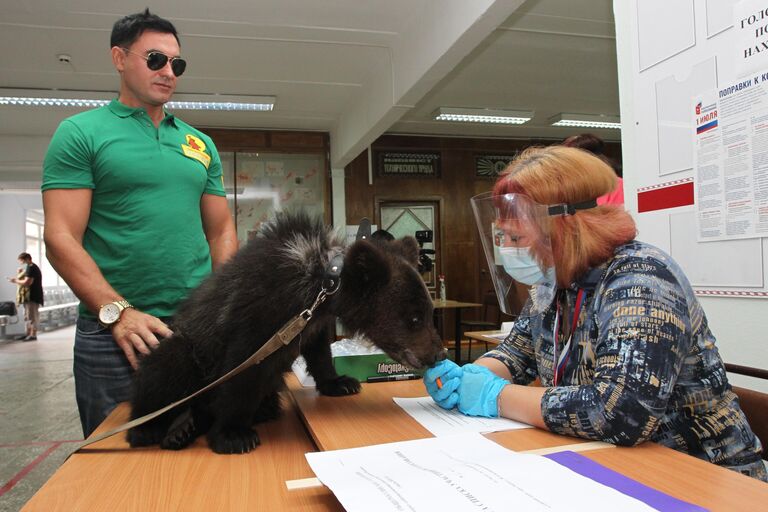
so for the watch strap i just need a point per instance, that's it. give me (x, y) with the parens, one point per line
(124, 304)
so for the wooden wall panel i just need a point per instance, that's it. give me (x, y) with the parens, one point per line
(265, 140)
(461, 253)
(237, 140)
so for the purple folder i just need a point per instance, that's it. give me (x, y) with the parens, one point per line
(591, 469)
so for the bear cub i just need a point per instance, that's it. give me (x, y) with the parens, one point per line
(243, 303)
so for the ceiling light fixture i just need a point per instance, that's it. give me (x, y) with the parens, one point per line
(586, 121)
(87, 99)
(482, 115)
(16, 101)
(224, 102)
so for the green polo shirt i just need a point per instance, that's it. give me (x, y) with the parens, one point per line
(145, 231)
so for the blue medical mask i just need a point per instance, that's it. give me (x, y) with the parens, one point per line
(522, 267)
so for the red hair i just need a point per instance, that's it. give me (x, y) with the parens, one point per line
(558, 174)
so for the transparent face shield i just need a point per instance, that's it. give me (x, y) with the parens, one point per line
(514, 231)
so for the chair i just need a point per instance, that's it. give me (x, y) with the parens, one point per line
(8, 315)
(490, 320)
(753, 403)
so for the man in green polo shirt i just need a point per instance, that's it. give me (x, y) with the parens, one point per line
(135, 214)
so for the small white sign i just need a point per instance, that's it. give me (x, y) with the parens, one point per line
(750, 18)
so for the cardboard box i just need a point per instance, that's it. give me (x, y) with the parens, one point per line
(371, 365)
(372, 362)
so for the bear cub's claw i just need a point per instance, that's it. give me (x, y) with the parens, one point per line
(234, 440)
(340, 386)
(181, 433)
(144, 435)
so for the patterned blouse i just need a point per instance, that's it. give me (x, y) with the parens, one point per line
(643, 364)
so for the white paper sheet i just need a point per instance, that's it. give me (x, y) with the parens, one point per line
(446, 423)
(459, 473)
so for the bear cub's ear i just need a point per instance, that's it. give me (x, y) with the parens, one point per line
(365, 267)
(408, 248)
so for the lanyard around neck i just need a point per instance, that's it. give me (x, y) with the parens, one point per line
(561, 361)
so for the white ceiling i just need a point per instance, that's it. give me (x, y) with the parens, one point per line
(354, 68)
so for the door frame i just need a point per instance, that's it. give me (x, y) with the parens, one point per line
(437, 232)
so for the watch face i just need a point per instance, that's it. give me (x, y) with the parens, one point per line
(109, 314)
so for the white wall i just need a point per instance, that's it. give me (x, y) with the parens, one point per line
(21, 160)
(679, 36)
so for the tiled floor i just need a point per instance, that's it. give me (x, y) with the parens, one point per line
(38, 415)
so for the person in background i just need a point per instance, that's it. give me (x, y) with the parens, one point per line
(135, 214)
(596, 146)
(29, 293)
(612, 328)
(22, 292)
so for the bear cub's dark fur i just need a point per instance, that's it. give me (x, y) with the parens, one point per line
(243, 303)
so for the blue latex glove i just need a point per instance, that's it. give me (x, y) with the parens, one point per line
(450, 377)
(479, 391)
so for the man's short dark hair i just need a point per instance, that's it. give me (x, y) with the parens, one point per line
(128, 29)
(25, 256)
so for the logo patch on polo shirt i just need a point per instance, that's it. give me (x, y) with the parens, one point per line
(195, 148)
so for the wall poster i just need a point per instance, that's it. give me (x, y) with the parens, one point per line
(731, 160)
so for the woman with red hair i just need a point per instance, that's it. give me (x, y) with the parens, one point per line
(613, 329)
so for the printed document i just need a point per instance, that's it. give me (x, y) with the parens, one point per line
(445, 423)
(459, 473)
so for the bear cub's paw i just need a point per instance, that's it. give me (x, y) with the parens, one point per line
(340, 386)
(145, 435)
(233, 440)
(181, 433)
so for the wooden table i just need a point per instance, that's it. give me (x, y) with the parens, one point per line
(486, 336)
(372, 418)
(458, 306)
(111, 476)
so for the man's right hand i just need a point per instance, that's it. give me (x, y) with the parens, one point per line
(137, 333)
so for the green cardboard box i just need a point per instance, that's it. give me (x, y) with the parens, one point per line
(370, 365)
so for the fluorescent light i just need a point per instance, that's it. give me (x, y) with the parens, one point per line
(482, 115)
(224, 102)
(586, 121)
(218, 105)
(88, 99)
(50, 102)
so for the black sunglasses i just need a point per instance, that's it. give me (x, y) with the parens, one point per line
(157, 60)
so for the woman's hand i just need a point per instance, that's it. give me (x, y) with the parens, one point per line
(479, 391)
(442, 381)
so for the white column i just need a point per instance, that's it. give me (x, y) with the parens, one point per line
(338, 198)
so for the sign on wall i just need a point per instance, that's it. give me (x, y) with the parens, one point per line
(731, 160)
(491, 166)
(408, 164)
(751, 23)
